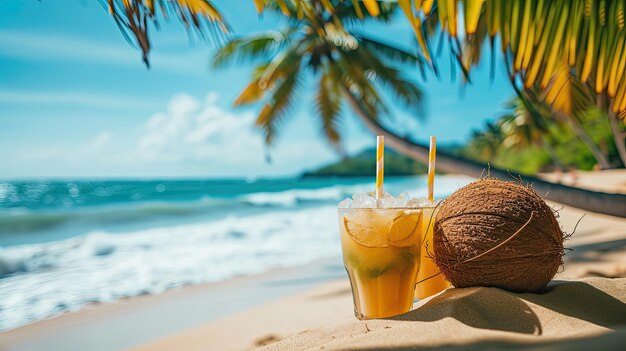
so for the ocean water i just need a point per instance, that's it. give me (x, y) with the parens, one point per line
(66, 244)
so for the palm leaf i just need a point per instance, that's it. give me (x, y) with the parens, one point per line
(566, 93)
(472, 10)
(133, 17)
(328, 105)
(351, 11)
(405, 91)
(390, 52)
(537, 36)
(350, 71)
(372, 7)
(250, 48)
(251, 93)
(271, 116)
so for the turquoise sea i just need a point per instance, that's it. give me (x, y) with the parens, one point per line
(65, 244)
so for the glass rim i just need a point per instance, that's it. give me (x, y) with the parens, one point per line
(387, 208)
(433, 204)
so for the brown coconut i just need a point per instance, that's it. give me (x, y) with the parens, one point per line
(499, 234)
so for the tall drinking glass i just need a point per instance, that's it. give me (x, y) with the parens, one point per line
(428, 281)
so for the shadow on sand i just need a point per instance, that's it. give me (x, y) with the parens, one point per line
(611, 341)
(475, 307)
(583, 301)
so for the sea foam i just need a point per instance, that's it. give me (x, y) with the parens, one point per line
(42, 280)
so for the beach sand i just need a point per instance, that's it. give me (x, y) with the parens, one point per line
(584, 302)
(311, 308)
(476, 318)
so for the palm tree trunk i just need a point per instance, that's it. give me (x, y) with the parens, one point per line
(618, 136)
(602, 160)
(612, 204)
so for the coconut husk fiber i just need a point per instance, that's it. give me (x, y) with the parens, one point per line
(499, 234)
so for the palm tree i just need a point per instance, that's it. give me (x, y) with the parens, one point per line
(349, 68)
(566, 52)
(525, 126)
(487, 142)
(343, 63)
(134, 17)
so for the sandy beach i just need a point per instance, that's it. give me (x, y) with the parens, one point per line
(311, 308)
(572, 311)
(598, 251)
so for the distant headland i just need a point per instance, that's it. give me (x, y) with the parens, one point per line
(362, 165)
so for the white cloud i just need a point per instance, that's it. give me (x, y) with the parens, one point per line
(203, 134)
(200, 131)
(8, 96)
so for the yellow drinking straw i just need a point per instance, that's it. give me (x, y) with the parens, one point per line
(431, 167)
(380, 165)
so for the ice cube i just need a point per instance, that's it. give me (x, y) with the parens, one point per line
(360, 197)
(402, 199)
(416, 203)
(363, 200)
(346, 203)
(370, 203)
(389, 202)
(405, 195)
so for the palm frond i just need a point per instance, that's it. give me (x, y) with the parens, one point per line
(271, 116)
(405, 91)
(353, 78)
(351, 11)
(251, 93)
(250, 48)
(566, 93)
(392, 53)
(328, 105)
(134, 17)
(537, 36)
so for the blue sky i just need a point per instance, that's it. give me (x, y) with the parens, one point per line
(77, 102)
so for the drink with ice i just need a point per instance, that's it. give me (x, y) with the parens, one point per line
(381, 241)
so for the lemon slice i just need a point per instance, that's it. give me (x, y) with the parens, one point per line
(367, 229)
(404, 228)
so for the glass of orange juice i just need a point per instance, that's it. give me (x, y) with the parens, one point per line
(429, 282)
(381, 253)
